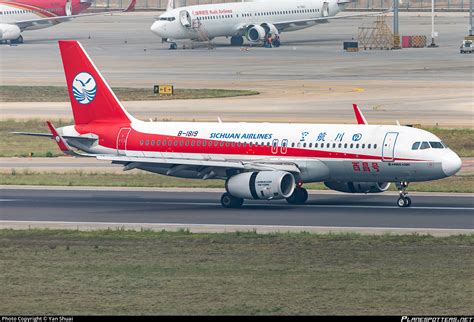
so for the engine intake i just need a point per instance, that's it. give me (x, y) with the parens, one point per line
(256, 33)
(261, 185)
(9, 32)
(358, 187)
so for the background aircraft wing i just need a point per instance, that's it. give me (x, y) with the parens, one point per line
(286, 24)
(23, 24)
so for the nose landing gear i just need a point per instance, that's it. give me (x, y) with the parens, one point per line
(404, 201)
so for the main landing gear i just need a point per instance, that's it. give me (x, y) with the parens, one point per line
(404, 200)
(229, 201)
(19, 40)
(173, 46)
(298, 197)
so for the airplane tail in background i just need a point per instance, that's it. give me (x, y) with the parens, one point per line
(92, 100)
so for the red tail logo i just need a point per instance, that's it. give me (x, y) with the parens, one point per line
(91, 97)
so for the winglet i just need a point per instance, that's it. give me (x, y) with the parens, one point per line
(171, 5)
(58, 138)
(359, 116)
(131, 6)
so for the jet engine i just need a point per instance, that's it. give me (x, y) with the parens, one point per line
(358, 187)
(269, 28)
(261, 185)
(9, 32)
(256, 33)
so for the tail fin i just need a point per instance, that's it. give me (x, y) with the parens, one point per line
(91, 97)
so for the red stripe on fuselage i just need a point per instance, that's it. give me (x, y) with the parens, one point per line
(108, 139)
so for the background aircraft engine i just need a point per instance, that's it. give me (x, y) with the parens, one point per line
(261, 185)
(256, 33)
(269, 28)
(358, 187)
(9, 32)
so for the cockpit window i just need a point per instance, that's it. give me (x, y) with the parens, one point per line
(424, 146)
(415, 146)
(436, 145)
(167, 18)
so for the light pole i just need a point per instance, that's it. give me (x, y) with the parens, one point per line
(433, 32)
(470, 18)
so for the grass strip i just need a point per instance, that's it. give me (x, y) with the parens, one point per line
(60, 94)
(118, 272)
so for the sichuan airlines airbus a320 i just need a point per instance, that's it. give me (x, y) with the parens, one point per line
(253, 20)
(17, 16)
(256, 160)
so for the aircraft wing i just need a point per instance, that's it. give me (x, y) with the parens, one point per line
(285, 24)
(23, 24)
(192, 164)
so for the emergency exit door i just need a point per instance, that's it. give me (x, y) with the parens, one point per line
(388, 147)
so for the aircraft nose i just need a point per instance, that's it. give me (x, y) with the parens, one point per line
(451, 164)
(156, 28)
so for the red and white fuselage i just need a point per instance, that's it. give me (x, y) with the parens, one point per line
(257, 160)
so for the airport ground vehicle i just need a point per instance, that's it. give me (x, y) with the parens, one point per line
(467, 47)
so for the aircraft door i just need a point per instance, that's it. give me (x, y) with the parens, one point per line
(275, 146)
(122, 138)
(185, 18)
(68, 8)
(325, 9)
(388, 147)
(284, 146)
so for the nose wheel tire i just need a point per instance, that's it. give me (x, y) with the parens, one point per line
(173, 46)
(404, 202)
(298, 197)
(229, 201)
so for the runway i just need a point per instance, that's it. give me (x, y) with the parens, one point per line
(201, 211)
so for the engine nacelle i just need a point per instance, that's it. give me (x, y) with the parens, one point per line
(269, 28)
(9, 32)
(358, 187)
(256, 33)
(261, 185)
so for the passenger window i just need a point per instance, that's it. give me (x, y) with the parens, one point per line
(204, 143)
(152, 142)
(158, 142)
(340, 145)
(181, 143)
(328, 145)
(363, 146)
(170, 143)
(141, 142)
(175, 143)
(216, 143)
(222, 143)
(147, 142)
(369, 145)
(198, 143)
(345, 145)
(311, 145)
(304, 145)
(375, 146)
(186, 143)
(424, 146)
(357, 145)
(436, 145)
(192, 143)
(415, 146)
(293, 144)
(352, 145)
(334, 145)
(227, 144)
(315, 145)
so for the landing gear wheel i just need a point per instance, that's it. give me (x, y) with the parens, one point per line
(298, 197)
(229, 201)
(404, 201)
(236, 41)
(19, 40)
(276, 43)
(173, 46)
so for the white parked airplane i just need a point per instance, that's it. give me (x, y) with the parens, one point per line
(253, 20)
(17, 16)
(256, 160)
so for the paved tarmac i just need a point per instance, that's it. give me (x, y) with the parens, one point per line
(182, 208)
(309, 79)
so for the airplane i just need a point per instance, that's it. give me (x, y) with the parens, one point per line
(18, 16)
(257, 160)
(254, 20)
